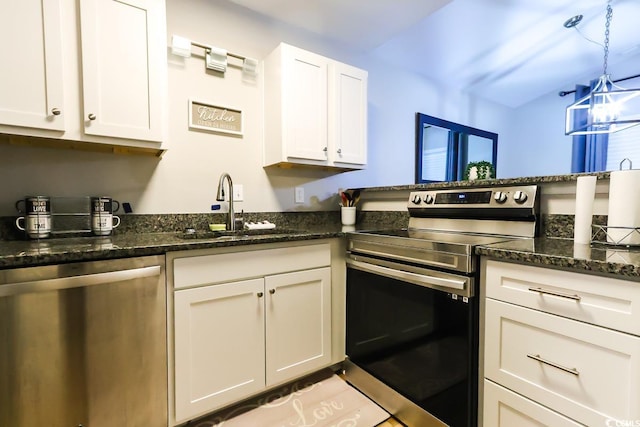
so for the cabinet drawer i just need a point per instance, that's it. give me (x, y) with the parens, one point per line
(226, 267)
(602, 301)
(504, 408)
(588, 373)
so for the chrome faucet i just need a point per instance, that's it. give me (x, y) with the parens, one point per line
(231, 218)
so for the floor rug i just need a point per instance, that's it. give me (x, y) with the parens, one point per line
(329, 402)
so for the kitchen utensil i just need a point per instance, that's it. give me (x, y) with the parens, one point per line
(343, 196)
(355, 198)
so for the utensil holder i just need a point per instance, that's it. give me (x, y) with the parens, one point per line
(348, 215)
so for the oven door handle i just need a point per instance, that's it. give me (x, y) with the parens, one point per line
(418, 279)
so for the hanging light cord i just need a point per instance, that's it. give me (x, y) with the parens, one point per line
(605, 46)
(606, 38)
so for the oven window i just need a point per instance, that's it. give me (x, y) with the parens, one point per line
(419, 341)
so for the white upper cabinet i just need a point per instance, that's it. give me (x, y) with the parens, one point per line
(348, 120)
(122, 63)
(315, 111)
(108, 55)
(31, 81)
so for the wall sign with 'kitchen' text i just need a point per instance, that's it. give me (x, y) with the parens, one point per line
(214, 118)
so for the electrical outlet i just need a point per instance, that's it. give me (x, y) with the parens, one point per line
(299, 195)
(238, 193)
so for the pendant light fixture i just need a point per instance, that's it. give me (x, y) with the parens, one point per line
(609, 108)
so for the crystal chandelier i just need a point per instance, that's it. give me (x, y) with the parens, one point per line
(609, 107)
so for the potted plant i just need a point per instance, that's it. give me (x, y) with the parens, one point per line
(479, 170)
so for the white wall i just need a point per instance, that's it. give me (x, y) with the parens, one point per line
(537, 143)
(185, 179)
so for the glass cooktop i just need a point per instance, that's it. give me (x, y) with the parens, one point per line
(434, 236)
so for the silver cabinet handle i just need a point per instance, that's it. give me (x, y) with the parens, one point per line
(537, 357)
(556, 294)
(56, 111)
(92, 116)
(272, 291)
(78, 281)
(339, 151)
(259, 294)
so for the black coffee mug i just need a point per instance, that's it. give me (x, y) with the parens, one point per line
(34, 205)
(100, 205)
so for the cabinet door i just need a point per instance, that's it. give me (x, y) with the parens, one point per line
(304, 86)
(31, 73)
(298, 323)
(123, 48)
(348, 121)
(219, 346)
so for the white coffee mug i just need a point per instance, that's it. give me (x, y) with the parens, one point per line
(36, 226)
(102, 224)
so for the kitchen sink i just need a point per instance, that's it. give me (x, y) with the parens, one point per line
(191, 233)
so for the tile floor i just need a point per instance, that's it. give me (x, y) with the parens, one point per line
(391, 422)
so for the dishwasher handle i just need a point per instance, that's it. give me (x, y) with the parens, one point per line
(82, 280)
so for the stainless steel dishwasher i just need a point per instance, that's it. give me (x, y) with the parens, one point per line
(84, 344)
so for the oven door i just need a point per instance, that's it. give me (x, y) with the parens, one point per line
(411, 344)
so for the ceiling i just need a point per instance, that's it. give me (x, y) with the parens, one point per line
(507, 51)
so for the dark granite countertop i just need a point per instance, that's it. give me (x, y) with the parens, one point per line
(24, 253)
(527, 180)
(544, 251)
(564, 254)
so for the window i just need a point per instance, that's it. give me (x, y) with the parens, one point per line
(444, 149)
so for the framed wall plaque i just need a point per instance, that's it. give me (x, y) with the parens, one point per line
(214, 118)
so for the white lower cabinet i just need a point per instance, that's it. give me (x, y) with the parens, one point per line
(239, 338)
(504, 408)
(555, 347)
(298, 323)
(219, 345)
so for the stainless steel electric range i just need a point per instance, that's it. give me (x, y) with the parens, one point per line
(413, 301)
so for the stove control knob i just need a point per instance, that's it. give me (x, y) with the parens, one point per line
(520, 197)
(428, 199)
(416, 199)
(500, 197)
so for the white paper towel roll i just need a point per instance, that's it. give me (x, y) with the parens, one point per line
(624, 206)
(585, 193)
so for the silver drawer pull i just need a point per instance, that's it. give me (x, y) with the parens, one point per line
(537, 357)
(557, 294)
